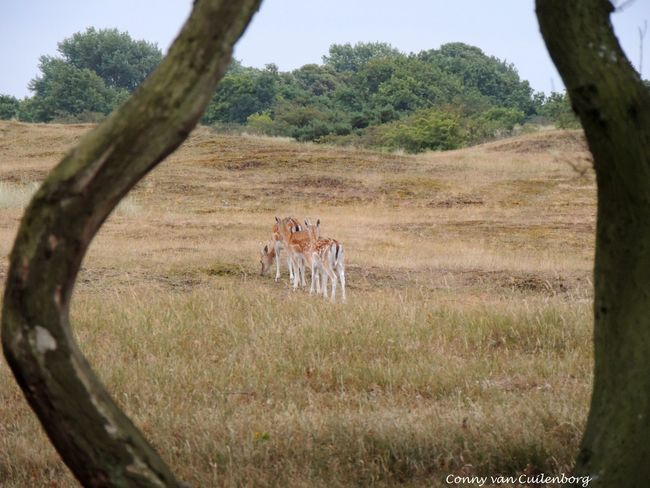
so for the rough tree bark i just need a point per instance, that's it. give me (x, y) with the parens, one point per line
(614, 107)
(93, 436)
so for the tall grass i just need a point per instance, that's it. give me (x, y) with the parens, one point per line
(239, 388)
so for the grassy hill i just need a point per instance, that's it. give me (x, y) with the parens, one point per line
(464, 347)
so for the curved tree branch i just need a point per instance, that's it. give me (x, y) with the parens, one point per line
(93, 436)
(614, 107)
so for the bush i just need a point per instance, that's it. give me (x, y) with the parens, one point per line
(557, 108)
(494, 122)
(427, 129)
(261, 123)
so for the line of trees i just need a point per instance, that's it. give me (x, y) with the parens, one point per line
(367, 94)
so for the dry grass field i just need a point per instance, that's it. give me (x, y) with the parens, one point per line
(464, 347)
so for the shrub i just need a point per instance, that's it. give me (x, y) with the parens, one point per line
(260, 123)
(427, 129)
(494, 122)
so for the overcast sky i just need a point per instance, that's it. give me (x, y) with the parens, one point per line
(291, 33)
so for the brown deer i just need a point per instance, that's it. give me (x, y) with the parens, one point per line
(295, 243)
(282, 229)
(327, 260)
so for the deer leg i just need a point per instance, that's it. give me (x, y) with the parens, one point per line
(277, 260)
(296, 270)
(290, 266)
(341, 270)
(319, 278)
(302, 271)
(332, 276)
(313, 276)
(299, 271)
(324, 275)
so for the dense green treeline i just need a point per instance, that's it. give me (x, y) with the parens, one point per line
(368, 94)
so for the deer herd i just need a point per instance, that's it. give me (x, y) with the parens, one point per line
(305, 248)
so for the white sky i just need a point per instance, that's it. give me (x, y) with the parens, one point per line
(291, 33)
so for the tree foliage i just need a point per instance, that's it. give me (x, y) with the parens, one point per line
(557, 108)
(8, 107)
(242, 92)
(364, 94)
(372, 94)
(95, 73)
(64, 89)
(345, 57)
(114, 56)
(496, 80)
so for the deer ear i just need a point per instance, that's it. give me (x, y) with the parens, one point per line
(277, 219)
(307, 222)
(318, 223)
(266, 249)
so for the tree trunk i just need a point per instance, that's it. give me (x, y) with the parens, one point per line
(93, 436)
(614, 107)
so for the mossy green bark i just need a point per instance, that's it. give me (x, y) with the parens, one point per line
(614, 107)
(93, 436)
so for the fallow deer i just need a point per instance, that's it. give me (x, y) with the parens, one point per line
(267, 256)
(327, 260)
(297, 241)
(282, 229)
